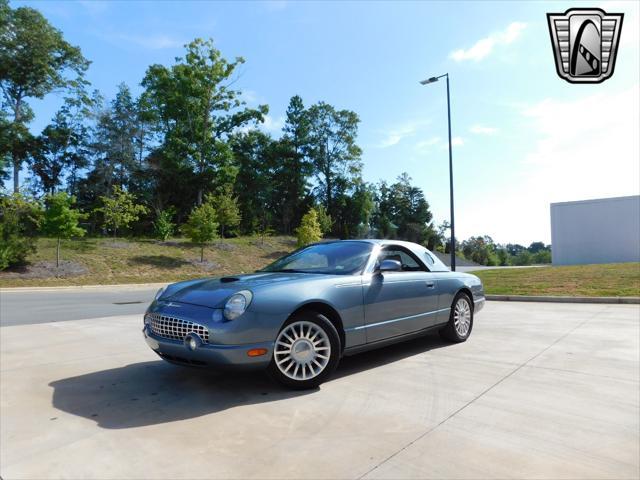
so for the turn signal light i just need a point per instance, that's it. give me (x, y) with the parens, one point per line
(256, 352)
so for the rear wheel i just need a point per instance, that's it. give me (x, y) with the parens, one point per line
(460, 322)
(306, 351)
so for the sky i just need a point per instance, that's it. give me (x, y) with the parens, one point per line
(522, 137)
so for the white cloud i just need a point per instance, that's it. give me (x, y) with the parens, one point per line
(483, 47)
(457, 141)
(270, 125)
(426, 144)
(249, 96)
(483, 130)
(273, 124)
(586, 148)
(393, 136)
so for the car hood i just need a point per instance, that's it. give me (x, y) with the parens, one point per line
(214, 292)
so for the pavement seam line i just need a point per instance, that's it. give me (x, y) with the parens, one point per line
(481, 394)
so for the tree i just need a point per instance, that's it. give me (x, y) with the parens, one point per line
(503, 256)
(34, 61)
(480, 250)
(197, 111)
(355, 211)
(404, 207)
(294, 166)
(163, 226)
(256, 183)
(59, 149)
(120, 210)
(514, 248)
(201, 226)
(542, 256)
(334, 153)
(20, 218)
(324, 219)
(227, 211)
(309, 230)
(61, 219)
(116, 140)
(535, 247)
(523, 258)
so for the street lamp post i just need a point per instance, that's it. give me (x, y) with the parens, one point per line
(453, 229)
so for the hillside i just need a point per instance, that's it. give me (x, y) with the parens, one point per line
(93, 261)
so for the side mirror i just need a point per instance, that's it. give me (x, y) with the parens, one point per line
(390, 266)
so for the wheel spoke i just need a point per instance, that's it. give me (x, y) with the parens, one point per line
(302, 350)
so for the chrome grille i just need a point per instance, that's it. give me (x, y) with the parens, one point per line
(176, 328)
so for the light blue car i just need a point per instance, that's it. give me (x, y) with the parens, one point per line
(301, 314)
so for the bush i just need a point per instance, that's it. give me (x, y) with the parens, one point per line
(163, 227)
(542, 256)
(120, 210)
(523, 258)
(202, 225)
(324, 219)
(61, 219)
(309, 230)
(19, 220)
(503, 256)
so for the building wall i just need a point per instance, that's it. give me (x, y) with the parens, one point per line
(604, 230)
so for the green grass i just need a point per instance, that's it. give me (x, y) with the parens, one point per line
(606, 280)
(121, 260)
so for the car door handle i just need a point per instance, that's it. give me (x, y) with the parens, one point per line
(431, 284)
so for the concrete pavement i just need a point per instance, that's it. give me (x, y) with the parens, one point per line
(540, 390)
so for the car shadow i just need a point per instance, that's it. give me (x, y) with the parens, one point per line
(152, 393)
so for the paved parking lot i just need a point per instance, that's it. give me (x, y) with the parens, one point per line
(540, 390)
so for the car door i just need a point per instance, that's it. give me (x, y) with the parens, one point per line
(401, 302)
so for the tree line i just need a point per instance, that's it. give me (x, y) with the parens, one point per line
(187, 153)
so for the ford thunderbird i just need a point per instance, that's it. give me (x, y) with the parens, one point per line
(298, 316)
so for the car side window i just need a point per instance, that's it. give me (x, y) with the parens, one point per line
(408, 261)
(428, 258)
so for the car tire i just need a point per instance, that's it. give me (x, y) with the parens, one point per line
(306, 351)
(460, 322)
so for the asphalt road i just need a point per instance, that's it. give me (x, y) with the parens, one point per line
(23, 307)
(538, 391)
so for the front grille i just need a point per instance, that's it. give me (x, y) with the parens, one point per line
(176, 328)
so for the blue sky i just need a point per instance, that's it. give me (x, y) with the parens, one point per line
(523, 137)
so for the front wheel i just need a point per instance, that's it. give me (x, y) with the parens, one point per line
(306, 351)
(460, 322)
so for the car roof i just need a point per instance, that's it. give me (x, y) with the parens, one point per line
(376, 241)
(435, 266)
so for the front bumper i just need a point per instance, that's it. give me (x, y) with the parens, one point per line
(208, 355)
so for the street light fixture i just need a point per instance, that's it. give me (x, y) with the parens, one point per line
(453, 230)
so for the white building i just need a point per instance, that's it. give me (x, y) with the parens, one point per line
(605, 230)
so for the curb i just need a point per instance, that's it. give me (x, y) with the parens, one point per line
(82, 287)
(558, 299)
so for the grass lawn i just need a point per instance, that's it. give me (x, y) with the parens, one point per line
(94, 261)
(607, 280)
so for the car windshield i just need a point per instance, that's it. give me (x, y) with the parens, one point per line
(337, 258)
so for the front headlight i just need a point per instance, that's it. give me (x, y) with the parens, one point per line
(237, 304)
(159, 293)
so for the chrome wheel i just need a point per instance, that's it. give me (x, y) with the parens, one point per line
(302, 350)
(462, 317)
